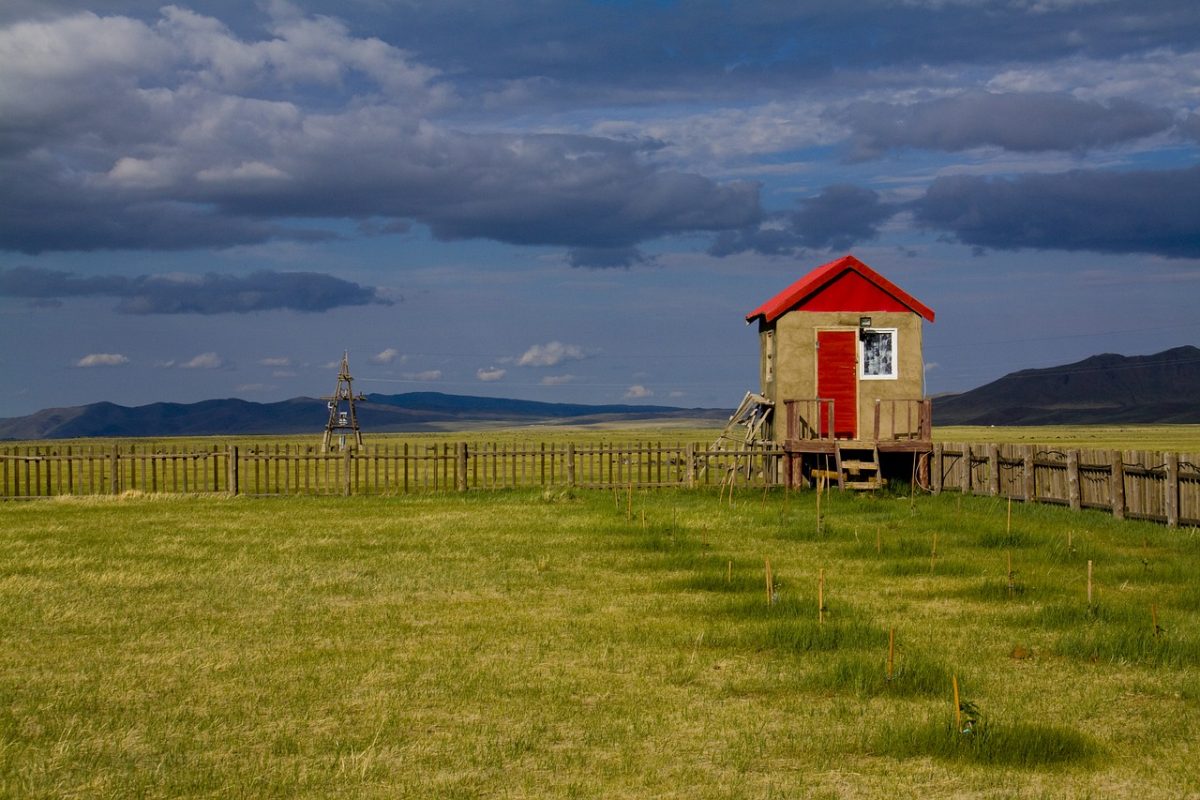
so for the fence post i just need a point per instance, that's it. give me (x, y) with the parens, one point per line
(1029, 476)
(114, 470)
(967, 459)
(571, 464)
(1073, 480)
(1117, 487)
(346, 472)
(937, 468)
(231, 476)
(994, 469)
(1172, 490)
(462, 466)
(689, 454)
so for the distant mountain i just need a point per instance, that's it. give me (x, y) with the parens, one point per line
(379, 413)
(1104, 389)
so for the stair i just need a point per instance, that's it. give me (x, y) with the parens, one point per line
(857, 466)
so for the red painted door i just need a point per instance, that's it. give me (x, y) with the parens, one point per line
(837, 380)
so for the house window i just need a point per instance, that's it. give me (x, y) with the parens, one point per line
(878, 361)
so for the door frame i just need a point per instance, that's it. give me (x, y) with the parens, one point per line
(853, 332)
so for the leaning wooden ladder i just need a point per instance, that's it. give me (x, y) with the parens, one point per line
(741, 433)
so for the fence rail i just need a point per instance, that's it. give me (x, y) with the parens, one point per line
(1131, 484)
(47, 470)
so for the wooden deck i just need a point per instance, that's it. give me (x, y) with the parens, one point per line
(900, 434)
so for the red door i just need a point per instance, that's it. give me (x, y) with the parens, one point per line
(837, 380)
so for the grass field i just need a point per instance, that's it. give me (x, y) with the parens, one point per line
(555, 644)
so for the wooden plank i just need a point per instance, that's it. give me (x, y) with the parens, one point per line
(1172, 490)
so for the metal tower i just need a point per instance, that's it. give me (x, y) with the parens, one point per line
(342, 420)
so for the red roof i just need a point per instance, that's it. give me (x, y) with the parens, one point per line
(843, 285)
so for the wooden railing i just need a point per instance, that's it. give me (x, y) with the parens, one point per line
(894, 420)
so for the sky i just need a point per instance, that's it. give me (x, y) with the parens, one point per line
(578, 201)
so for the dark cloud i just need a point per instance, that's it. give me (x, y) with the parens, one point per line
(837, 218)
(605, 257)
(1021, 122)
(211, 293)
(1108, 212)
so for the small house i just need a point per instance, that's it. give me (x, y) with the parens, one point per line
(841, 359)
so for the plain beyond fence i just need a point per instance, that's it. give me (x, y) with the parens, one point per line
(1149, 485)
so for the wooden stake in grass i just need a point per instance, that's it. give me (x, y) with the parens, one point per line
(770, 583)
(878, 541)
(729, 572)
(820, 487)
(821, 597)
(891, 663)
(1089, 585)
(629, 502)
(957, 705)
(933, 553)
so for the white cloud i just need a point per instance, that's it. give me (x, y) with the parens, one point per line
(280, 361)
(387, 356)
(102, 360)
(204, 361)
(490, 374)
(427, 375)
(549, 354)
(557, 380)
(637, 392)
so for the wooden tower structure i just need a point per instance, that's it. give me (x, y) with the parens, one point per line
(343, 419)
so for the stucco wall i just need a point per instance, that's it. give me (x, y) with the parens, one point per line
(795, 365)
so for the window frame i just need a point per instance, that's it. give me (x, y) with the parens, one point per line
(895, 355)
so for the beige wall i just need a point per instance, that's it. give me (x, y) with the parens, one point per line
(790, 342)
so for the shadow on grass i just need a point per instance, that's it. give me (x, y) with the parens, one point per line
(992, 743)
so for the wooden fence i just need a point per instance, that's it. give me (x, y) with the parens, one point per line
(49, 470)
(1162, 487)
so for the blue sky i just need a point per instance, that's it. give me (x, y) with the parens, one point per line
(577, 201)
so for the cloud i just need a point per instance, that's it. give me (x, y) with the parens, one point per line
(1090, 210)
(490, 374)
(211, 293)
(279, 361)
(387, 356)
(835, 219)
(1020, 122)
(204, 361)
(426, 375)
(605, 257)
(550, 354)
(102, 360)
(185, 134)
(556, 380)
(637, 392)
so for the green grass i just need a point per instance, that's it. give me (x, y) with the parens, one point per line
(549, 644)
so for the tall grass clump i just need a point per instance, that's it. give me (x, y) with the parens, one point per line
(866, 675)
